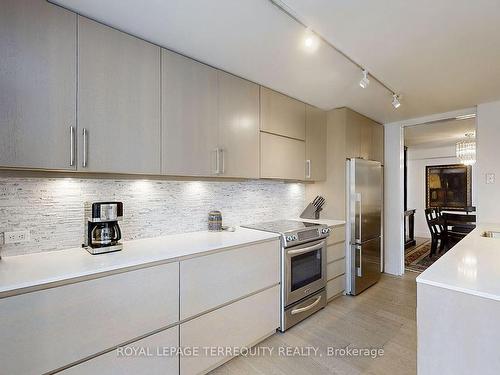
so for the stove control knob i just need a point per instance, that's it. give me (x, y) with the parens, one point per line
(289, 238)
(325, 230)
(295, 237)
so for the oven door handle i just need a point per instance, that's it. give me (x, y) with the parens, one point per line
(306, 249)
(302, 309)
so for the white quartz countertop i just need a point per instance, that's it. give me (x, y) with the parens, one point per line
(329, 222)
(472, 266)
(22, 273)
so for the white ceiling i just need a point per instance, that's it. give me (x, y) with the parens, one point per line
(438, 134)
(441, 55)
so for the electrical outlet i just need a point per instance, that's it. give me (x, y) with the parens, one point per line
(16, 237)
(490, 178)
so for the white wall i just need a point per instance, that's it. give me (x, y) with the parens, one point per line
(488, 161)
(418, 159)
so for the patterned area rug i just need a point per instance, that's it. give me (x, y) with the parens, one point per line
(417, 260)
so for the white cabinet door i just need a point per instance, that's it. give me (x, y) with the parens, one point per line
(335, 251)
(65, 324)
(335, 287)
(337, 234)
(282, 115)
(212, 280)
(37, 85)
(335, 268)
(238, 126)
(241, 324)
(118, 101)
(315, 144)
(189, 116)
(151, 358)
(281, 157)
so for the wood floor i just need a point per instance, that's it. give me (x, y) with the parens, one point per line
(383, 316)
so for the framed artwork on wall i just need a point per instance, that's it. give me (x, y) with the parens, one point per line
(449, 187)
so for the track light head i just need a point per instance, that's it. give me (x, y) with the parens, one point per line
(395, 101)
(364, 81)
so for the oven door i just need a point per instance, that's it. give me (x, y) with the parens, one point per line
(305, 270)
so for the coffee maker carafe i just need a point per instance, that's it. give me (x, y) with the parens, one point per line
(102, 232)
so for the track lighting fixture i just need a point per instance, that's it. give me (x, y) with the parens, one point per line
(364, 81)
(395, 101)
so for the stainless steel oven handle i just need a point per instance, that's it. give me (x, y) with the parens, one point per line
(306, 249)
(302, 309)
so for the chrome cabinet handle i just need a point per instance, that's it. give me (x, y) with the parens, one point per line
(308, 168)
(306, 249)
(71, 145)
(217, 161)
(222, 158)
(302, 309)
(85, 146)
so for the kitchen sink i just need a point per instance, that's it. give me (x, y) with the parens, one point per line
(491, 234)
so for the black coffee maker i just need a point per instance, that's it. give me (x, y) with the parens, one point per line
(102, 232)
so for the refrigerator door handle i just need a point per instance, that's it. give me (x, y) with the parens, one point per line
(359, 268)
(360, 217)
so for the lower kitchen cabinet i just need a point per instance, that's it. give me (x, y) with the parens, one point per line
(148, 356)
(213, 280)
(52, 328)
(335, 287)
(335, 251)
(282, 157)
(335, 268)
(337, 234)
(240, 324)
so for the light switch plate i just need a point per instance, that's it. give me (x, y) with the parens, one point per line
(490, 178)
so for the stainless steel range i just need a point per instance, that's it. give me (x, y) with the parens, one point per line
(303, 268)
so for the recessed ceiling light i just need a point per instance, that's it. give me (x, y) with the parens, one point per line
(311, 41)
(364, 81)
(395, 101)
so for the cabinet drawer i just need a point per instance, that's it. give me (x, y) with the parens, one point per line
(78, 320)
(242, 323)
(335, 252)
(210, 281)
(335, 287)
(125, 361)
(335, 269)
(337, 234)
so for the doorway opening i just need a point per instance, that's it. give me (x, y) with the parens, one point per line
(439, 193)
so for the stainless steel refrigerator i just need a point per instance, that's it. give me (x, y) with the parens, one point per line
(364, 192)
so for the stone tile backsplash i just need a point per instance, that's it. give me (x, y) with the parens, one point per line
(52, 209)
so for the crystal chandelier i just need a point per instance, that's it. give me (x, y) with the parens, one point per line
(466, 149)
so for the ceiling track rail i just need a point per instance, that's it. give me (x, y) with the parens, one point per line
(290, 12)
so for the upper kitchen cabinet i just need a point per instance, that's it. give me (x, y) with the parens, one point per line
(364, 138)
(37, 85)
(315, 144)
(281, 157)
(238, 126)
(118, 101)
(282, 115)
(189, 117)
(378, 143)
